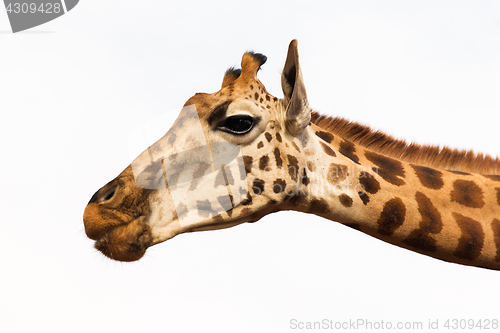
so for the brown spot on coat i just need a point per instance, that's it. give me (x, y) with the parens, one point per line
(247, 201)
(229, 176)
(205, 208)
(471, 241)
(264, 162)
(345, 200)
(293, 167)
(258, 186)
(295, 146)
(219, 179)
(327, 149)
(387, 168)
(392, 217)
(279, 186)
(181, 210)
(430, 178)
(298, 199)
(260, 145)
(364, 197)
(495, 226)
(326, 136)
(198, 173)
(217, 218)
(240, 161)
(278, 137)
(277, 157)
(226, 204)
(311, 166)
(246, 211)
(268, 136)
(368, 182)
(337, 173)
(430, 224)
(256, 96)
(348, 149)
(305, 179)
(309, 152)
(248, 161)
(319, 206)
(467, 193)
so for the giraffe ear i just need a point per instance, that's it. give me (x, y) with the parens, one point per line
(230, 76)
(298, 114)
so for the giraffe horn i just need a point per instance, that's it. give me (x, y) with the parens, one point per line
(230, 76)
(250, 64)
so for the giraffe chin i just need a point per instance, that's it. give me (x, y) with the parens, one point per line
(127, 242)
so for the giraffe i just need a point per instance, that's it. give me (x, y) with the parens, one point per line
(238, 154)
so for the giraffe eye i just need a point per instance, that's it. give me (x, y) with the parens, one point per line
(238, 124)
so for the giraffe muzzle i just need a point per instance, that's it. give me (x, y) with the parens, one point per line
(127, 242)
(116, 219)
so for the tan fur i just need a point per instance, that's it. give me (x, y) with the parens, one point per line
(426, 155)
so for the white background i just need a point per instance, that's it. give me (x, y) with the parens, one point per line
(72, 91)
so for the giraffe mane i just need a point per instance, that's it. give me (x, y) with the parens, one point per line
(431, 156)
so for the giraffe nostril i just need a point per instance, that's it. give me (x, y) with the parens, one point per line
(103, 196)
(109, 195)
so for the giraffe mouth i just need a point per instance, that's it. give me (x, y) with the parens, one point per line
(127, 242)
(216, 226)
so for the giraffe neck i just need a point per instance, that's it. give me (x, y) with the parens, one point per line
(453, 216)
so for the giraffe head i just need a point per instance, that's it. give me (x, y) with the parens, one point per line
(230, 157)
